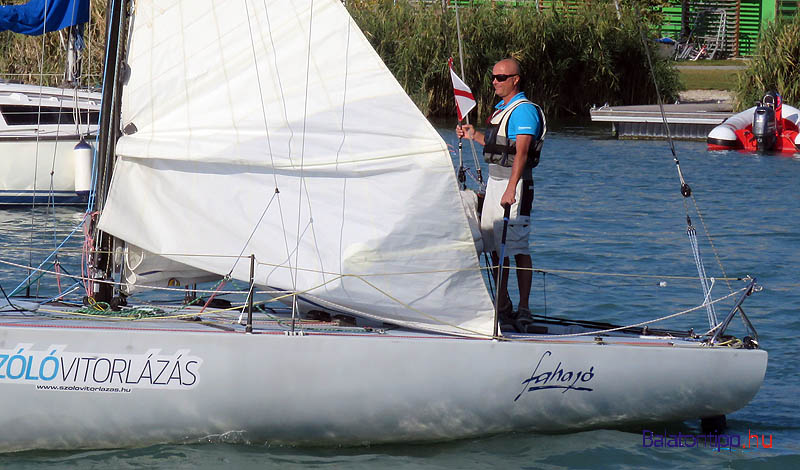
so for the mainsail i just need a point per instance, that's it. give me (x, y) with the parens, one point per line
(274, 129)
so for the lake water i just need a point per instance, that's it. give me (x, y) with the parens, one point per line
(603, 207)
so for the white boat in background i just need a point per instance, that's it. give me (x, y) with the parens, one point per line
(40, 128)
(266, 142)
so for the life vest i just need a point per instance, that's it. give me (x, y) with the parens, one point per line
(501, 150)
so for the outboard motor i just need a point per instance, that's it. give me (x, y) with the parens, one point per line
(773, 98)
(764, 127)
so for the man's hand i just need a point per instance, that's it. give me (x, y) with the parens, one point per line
(468, 131)
(465, 131)
(509, 196)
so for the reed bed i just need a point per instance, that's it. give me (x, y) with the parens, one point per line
(573, 55)
(571, 60)
(775, 66)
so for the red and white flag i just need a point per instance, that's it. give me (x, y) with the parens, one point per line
(464, 99)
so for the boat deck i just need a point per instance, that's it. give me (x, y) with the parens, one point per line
(278, 321)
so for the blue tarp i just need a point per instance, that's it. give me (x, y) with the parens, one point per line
(41, 16)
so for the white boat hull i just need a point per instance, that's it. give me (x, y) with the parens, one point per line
(345, 389)
(26, 166)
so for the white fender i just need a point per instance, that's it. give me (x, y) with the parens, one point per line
(82, 163)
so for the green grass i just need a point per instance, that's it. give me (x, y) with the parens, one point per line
(711, 79)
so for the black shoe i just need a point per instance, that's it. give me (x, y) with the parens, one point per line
(522, 319)
(506, 318)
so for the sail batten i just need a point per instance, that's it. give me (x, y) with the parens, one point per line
(227, 111)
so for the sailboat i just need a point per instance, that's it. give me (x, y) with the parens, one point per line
(266, 143)
(46, 132)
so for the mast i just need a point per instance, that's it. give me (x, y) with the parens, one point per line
(101, 262)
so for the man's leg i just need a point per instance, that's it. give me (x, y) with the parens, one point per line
(503, 299)
(524, 279)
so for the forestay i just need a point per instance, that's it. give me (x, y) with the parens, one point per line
(273, 128)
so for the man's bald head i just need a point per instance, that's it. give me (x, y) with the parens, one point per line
(510, 66)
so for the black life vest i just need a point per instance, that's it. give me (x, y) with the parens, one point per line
(501, 150)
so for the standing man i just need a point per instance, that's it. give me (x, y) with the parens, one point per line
(511, 146)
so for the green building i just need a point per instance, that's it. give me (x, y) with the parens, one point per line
(737, 23)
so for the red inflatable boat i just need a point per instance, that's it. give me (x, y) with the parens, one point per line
(770, 126)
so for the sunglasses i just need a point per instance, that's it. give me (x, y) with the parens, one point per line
(501, 77)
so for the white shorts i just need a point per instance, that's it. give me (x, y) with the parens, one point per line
(519, 225)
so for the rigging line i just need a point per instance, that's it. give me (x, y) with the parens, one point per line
(701, 271)
(303, 148)
(711, 242)
(483, 268)
(61, 296)
(635, 325)
(288, 265)
(36, 153)
(88, 42)
(253, 232)
(303, 183)
(685, 189)
(601, 286)
(341, 143)
(276, 193)
(115, 283)
(264, 111)
(476, 333)
(651, 276)
(406, 273)
(202, 311)
(51, 197)
(544, 291)
(8, 299)
(52, 254)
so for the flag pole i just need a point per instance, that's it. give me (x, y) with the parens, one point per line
(462, 174)
(471, 143)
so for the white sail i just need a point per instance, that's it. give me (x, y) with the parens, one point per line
(273, 128)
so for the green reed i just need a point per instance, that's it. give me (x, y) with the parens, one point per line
(775, 66)
(571, 60)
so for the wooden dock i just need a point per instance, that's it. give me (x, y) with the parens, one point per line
(689, 121)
